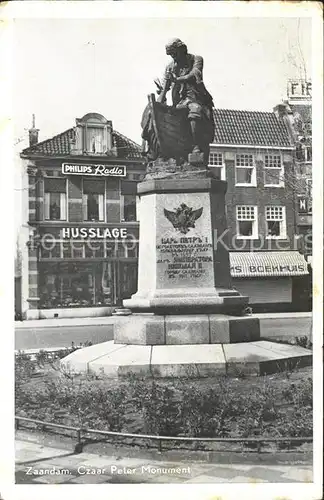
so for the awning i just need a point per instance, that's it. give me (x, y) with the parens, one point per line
(254, 264)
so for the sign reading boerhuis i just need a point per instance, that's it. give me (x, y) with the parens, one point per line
(94, 169)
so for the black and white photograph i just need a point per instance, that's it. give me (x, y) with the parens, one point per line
(164, 306)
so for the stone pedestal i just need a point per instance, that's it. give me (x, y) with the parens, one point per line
(183, 257)
(186, 319)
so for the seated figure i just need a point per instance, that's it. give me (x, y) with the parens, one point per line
(184, 77)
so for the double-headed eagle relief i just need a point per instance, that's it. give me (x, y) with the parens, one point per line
(184, 217)
(187, 126)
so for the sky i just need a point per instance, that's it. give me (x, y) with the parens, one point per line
(65, 68)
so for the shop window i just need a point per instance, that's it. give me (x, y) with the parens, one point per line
(54, 198)
(273, 171)
(275, 222)
(78, 285)
(128, 280)
(131, 247)
(216, 164)
(93, 200)
(245, 170)
(66, 250)
(77, 250)
(94, 248)
(50, 250)
(45, 253)
(247, 221)
(121, 249)
(111, 248)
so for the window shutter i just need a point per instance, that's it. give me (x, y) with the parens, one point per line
(128, 187)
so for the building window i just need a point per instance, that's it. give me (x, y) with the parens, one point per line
(50, 250)
(247, 221)
(308, 153)
(129, 208)
(304, 152)
(80, 284)
(309, 192)
(54, 198)
(93, 200)
(128, 200)
(245, 170)
(273, 171)
(95, 140)
(216, 163)
(275, 222)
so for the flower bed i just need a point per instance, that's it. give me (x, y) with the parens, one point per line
(277, 405)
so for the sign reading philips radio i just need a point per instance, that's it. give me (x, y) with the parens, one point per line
(97, 169)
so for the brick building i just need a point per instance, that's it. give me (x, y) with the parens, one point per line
(81, 245)
(297, 111)
(81, 232)
(254, 152)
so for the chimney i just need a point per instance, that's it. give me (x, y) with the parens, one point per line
(281, 110)
(33, 134)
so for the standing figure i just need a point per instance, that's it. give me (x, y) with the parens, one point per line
(184, 76)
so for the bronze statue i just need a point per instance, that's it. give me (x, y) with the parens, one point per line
(187, 126)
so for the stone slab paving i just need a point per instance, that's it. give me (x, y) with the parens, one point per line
(38, 464)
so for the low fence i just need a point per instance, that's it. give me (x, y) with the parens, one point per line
(81, 432)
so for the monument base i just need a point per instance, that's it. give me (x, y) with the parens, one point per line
(150, 329)
(113, 360)
(147, 345)
(190, 300)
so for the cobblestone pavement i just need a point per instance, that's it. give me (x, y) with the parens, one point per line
(38, 464)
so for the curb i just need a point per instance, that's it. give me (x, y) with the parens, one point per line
(102, 449)
(110, 320)
(27, 326)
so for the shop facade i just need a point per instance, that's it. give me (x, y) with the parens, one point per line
(271, 280)
(82, 248)
(254, 152)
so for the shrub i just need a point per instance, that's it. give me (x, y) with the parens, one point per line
(24, 369)
(159, 405)
(300, 394)
(304, 341)
(218, 407)
(207, 413)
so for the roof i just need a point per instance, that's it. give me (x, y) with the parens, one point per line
(256, 264)
(60, 145)
(250, 128)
